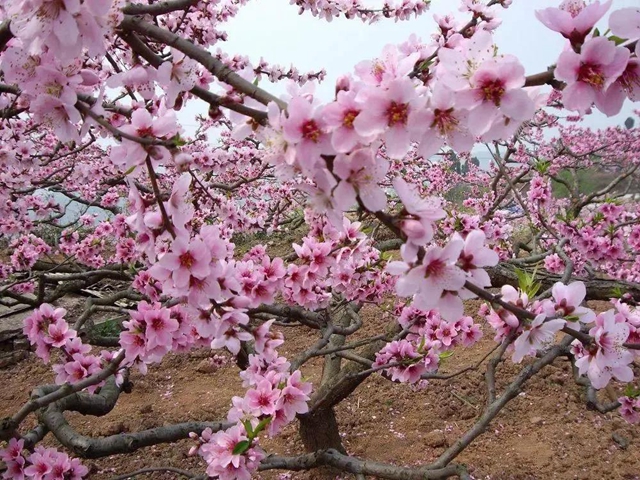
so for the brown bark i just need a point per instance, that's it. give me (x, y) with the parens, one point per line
(319, 431)
(597, 288)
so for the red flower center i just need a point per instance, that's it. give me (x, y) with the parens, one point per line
(493, 91)
(397, 113)
(349, 117)
(435, 268)
(187, 260)
(591, 74)
(444, 121)
(310, 131)
(144, 132)
(157, 323)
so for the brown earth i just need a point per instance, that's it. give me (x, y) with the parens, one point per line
(545, 433)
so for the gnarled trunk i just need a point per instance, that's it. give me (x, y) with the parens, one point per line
(319, 430)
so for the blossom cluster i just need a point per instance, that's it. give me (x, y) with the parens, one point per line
(602, 360)
(41, 464)
(47, 329)
(429, 339)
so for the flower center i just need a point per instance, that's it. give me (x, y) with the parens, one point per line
(574, 7)
(187, 260)
(378, 71)
(310, 131)
(157, 323)
(349, 117)
(564, 309)
(397, 113)
(492, 91)
(591, 74)
(144, 132)
(435, 268)
(444, 121)
(466, 262)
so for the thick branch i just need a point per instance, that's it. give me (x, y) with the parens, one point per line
(354, 465)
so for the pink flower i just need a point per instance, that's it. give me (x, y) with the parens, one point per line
(537, 335)
(401, 351)
(390, 66)
(179, 208)
(395, 113)
(475, 255)
(159, 327)
(265, 338)
(625, 23)
(574, 19)
(630, 409)
(59, 334)
(421, 213)
(15, 469)
(447, 124)
(609, 359)
(446, 333)
(430, 279)
(263, 398)
(13, 450)
(339, 117)
(133, 154)
(292, 401)
(568, 299)
(183, 261)
(361, 173)
(178, 75)
(40, 465)
(305, 128)
(590, 73)
(496, 92)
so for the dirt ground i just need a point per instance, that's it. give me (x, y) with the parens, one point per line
(545, 433)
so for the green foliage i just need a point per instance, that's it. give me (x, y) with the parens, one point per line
(110, 328)
(252, 433)
(582, 181)
(542, 166)
(617, 292)
(241, 447)
(527, 282)
(631, 392)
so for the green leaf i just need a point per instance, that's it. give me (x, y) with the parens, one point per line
(241, 447)
(617, 292)
(542, 166)
(261, 426)
(631, 392)
(446, 354)
(596, 32)
(424, 65)
(178, 141)
(617, 40)
(129, 171)
(527, 283)
(256, 81)
(248, 428)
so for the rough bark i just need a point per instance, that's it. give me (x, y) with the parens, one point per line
(597, 289)
(319, 431)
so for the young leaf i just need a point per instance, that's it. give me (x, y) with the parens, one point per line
(241, 447)
(261, 426)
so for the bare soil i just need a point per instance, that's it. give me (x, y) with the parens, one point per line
(545, 433)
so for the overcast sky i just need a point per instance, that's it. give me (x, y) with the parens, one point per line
(274, 30)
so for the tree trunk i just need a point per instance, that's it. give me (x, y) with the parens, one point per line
(319, 430)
